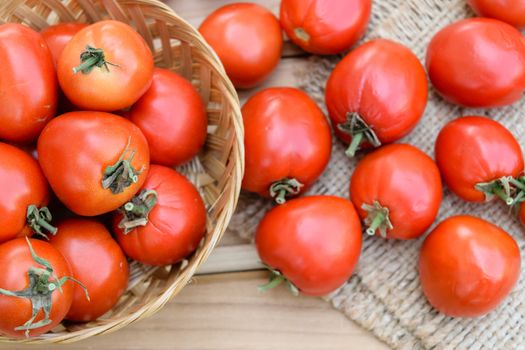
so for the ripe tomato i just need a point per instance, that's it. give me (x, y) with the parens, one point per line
(248, 40)
(173, 138)
(376, 94)
(35, 293)
(105, 67)
(325, 27)
(313, 243)
(59, 35)
(97, 261)
(397, 191)
(510, 11)
(478, 62)
(165, 222)
(94, 161)
(467, 266)
(23, 196)
(478, 159)
(287, 143)
(28, 86)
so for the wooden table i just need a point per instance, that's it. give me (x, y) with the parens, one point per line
(225, 310)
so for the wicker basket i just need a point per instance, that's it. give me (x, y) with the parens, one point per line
(217, 171)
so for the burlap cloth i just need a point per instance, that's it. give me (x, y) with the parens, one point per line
(384, 294)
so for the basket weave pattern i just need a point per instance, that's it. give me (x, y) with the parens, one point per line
(217, 172)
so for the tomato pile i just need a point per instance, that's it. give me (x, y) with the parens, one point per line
(375, 96)
(90, 133)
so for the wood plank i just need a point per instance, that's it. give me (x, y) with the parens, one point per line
(226, 312)
(236, 258)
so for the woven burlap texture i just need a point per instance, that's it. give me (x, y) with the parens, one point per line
(384, 294)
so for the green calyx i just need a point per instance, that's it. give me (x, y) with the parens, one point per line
(360, 132)
(302, 34)
(377, 219)
(281, 189)
(91, 58)
(39, 220)
(507, 188)
(277, 278)
(122, 174)
(42, 284)
(135, 212)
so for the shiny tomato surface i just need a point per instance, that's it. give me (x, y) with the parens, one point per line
(59, 35)
(510, 11)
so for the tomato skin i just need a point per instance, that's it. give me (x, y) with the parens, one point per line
(24, 185)
(248, 40)
(76, 148)
(97, 261)
(59, 35)
(16, 259)
(403, 179)
(487, 152)
(467, 266)
(478, 62)
(28, 88)
(99, 90)
(331, 26)
(176, 224)
(173, 138)
(384, 83)
(286, 136)
(315, 242)
(509, 11)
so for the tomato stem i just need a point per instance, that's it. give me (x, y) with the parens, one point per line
(504, 188)
(287, 187)
(39, 220)
(122, 174)
(136, 211)
(360, 131)
(91, 58)
(354, 145)
(277, 278)
(302, 34)
(377, 219)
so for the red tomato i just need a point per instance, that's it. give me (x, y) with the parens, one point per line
(287, 143)
(248, 40)
(376, 94)
(105, 67)
(467, 266)
(397, 191)
(97, 261)
(59, 35)
(28, 86)
(312, 242)
(44, 274)
(165, 222)
(172, 117)
(478, 62)
(478, 166)
(325, 27)
(23, 196)
(510, 11)
(94, 161)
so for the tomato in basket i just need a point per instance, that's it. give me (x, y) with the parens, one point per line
(59, 35)
(287, 143)
(397, 191)
(376, 94)
(468, 266)
(325, 27)
(509, 11)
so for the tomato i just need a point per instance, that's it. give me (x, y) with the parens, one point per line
(248, 40)
(94, 161)
(165, 222)
(397, 191)
(312, 242)
(467, 266)
(325, 27)
(478, 62)
(376, 94)
(510, 11)
(35, 293)
(23, 196)
(105, 67)
(174, 138)
(97, 261)
(28, 86)
(287, 143)
(59, 35)
(478, 158)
